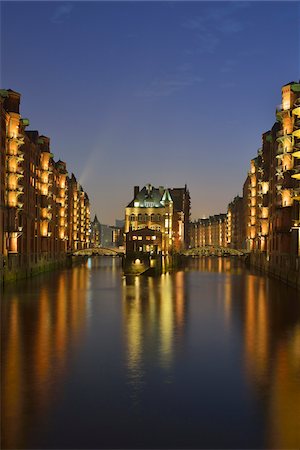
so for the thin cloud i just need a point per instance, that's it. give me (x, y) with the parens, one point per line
(214, 24)
(61, 13)
(171, 83)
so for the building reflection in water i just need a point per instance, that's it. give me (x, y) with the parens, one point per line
(154, 313)
(44, 325)
(271, 315)
(216, 264)
(40, 327)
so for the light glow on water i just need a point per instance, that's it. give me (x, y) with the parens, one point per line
(184, 359)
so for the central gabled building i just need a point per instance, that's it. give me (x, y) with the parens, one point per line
(155, 209)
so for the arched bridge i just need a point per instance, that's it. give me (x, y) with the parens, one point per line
(213, 250)
(99, 251)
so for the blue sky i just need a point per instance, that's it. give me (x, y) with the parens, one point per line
(161, 92)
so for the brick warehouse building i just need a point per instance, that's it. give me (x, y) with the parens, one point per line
(165, 211)
(34, 194)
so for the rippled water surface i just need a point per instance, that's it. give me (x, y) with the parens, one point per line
(208, 357)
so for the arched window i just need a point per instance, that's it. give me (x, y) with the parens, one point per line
(152, 217)
(139, 217)
(146, 217)
(158, 218)
(132, 218)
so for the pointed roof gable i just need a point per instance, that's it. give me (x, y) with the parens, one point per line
(151, 197)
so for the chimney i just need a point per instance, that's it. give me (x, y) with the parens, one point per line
(136, 191)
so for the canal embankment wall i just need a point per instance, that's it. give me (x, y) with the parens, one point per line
(284, 267)
(16, 267)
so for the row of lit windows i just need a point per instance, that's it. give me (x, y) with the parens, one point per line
(140, 238)
(145, 218)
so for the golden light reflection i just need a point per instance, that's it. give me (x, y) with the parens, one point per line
(11, 380)
(35, 351)
(284, 411)
(166, 319)
(134, 328)
(255, 333)
(153, 311)
(227, 299)
(272, 358)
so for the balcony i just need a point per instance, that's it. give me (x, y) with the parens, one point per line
(296, 133)
(296, 111)
(296, 173)
(281, 136)
(296, 194)
(17, 190)
(280, 112)
(296, 154)
(280, 151)
(18, 139)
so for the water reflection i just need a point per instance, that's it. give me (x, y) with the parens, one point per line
(154, 312)
(38, 329)
(216, 264)
(211, 349)
(272, 356)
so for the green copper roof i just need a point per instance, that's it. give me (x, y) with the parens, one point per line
(295, 87)
(151, 197)
(3, 93)
(25, 122)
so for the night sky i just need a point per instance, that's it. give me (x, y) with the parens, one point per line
(161, 92)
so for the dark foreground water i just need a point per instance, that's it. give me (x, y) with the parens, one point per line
(207, 358)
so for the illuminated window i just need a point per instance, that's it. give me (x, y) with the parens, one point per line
(139, 238)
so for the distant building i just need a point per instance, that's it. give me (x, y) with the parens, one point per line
(209, 232)
(235, 223)
(106, 237)
(120, 223)
(182, 208)
(95, 232)
(78, 216)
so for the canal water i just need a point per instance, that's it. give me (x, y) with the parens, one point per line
(206, 358)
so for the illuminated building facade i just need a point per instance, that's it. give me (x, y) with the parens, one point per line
(78, 216)
(151, 208)
(273, 185)
(34, 226)
(163, 210)
(265, 220)
(285, 186)
(211, 231)
(235, 223)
